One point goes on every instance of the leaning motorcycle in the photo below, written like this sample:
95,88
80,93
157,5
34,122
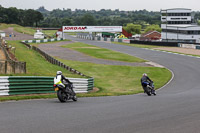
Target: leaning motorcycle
64,92
149,89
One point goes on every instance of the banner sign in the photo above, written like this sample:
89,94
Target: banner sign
92,28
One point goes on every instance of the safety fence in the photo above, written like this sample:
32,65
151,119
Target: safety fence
53,60
42,40
129,41
10,66
90,37
156,43
20,85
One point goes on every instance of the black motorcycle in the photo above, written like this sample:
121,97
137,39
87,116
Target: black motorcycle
149,89
65,93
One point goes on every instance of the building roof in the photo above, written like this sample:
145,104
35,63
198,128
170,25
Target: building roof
183,25
176,9
149,32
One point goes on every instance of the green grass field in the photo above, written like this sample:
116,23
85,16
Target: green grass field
152,47
49,32
18,28
110,80
35,63
120,80
25,30
101,53
138,45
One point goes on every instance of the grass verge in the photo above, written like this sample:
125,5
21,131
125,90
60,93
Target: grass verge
18,28
101,53
177,52
26,30
36,65
111,80
153,47
49,32
138,45
120,80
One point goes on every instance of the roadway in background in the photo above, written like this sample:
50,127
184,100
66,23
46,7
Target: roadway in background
176,108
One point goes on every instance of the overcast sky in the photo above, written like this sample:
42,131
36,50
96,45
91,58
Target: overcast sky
127,5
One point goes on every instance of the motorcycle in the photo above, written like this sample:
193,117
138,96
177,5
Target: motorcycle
65,93
149,89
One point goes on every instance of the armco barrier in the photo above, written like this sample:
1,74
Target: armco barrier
15,85
172,44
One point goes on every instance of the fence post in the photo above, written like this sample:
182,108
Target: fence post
13,66
25,67
6,67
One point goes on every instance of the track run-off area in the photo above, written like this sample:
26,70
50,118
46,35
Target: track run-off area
175,109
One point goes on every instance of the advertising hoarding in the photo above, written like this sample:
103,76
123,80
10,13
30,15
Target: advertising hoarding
92,28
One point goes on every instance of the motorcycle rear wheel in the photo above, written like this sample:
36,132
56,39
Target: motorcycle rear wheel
148,91
62,96
75,98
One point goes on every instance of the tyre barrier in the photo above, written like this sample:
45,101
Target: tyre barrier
20,85
43,40
87,36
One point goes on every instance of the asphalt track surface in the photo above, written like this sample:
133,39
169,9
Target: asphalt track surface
176,108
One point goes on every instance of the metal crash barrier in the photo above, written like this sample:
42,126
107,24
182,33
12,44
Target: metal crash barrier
19,85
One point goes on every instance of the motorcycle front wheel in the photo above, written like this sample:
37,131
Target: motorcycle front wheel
62,96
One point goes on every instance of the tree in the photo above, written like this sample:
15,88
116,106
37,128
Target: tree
120,21
77,21
198,22
88,20
133,28
31,16
153,27
38,17
66,22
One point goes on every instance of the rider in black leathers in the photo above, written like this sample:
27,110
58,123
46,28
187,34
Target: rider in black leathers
145,80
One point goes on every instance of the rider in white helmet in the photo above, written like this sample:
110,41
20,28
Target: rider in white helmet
145,80
60,79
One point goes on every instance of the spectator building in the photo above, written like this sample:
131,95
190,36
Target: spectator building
151,36
178,26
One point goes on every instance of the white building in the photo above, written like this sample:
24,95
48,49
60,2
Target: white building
2,33
39,35
177,26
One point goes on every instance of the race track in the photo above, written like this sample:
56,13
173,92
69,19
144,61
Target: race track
176,108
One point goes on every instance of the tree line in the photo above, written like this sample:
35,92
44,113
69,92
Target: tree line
58,17
21,17
133,21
